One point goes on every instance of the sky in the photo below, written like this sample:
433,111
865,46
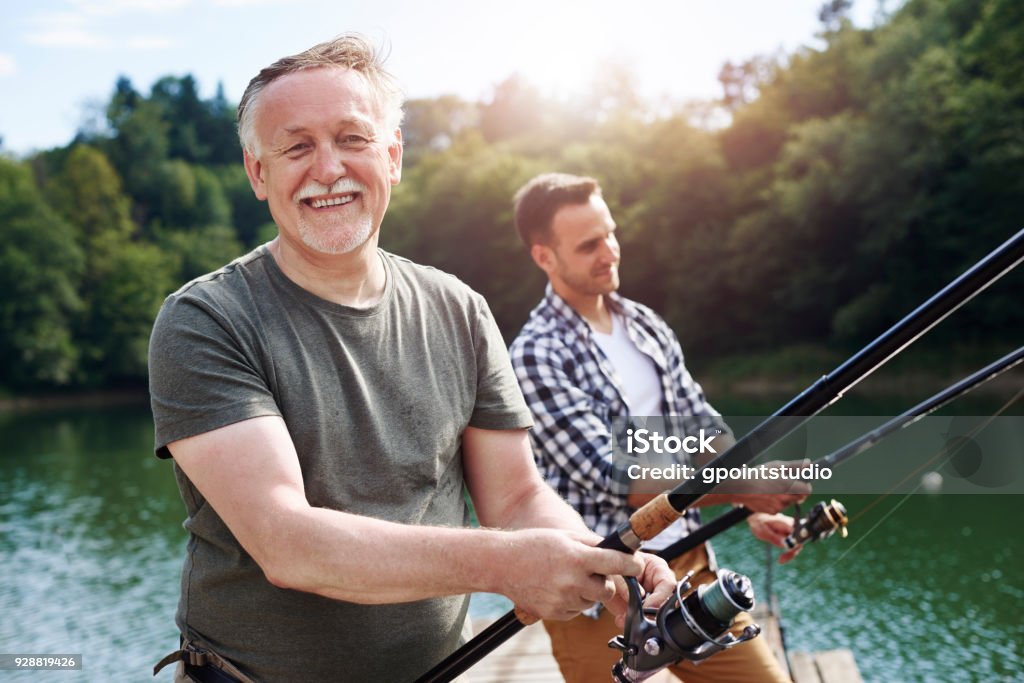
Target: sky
60,59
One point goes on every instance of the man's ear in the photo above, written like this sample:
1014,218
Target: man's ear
544,257
254,169
395,150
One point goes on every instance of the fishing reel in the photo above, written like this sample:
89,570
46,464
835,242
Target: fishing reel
692,624
820,523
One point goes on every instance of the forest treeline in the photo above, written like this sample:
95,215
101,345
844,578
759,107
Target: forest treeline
848,182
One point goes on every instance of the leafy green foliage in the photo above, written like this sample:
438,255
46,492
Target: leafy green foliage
40,268
850,182
123,282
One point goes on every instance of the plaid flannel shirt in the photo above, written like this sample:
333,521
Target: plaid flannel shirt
573,392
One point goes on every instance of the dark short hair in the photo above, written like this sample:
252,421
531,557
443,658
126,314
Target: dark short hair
537,202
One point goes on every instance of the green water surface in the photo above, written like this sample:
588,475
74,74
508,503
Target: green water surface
926,588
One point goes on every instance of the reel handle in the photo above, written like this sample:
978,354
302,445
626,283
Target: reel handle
822,521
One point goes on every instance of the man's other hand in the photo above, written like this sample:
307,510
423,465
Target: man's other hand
774,529
557,574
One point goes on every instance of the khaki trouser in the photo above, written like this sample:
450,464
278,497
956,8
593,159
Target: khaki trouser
580,645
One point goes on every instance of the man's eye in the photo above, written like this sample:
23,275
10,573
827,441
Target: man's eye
297,149
354,140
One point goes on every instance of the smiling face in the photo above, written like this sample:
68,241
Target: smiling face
326,161
582,259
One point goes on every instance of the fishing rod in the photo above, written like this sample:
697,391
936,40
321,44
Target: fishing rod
825,518
655,516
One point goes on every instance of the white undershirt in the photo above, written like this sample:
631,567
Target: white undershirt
639,379
636,372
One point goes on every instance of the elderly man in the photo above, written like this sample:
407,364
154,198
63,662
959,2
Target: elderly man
586,356
325,403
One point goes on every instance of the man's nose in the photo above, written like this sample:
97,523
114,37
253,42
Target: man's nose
610,250
328,164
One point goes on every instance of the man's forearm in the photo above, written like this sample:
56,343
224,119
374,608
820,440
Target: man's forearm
548,572
542,508
371,561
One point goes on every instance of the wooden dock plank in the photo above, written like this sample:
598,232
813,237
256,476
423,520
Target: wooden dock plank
830,666
771,631
526,658
803,669
837,666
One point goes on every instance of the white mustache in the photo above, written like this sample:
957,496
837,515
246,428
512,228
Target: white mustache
339,186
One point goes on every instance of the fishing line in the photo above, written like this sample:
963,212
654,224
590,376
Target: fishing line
976,430
907,496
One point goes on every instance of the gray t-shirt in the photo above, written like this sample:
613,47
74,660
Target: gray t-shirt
375,401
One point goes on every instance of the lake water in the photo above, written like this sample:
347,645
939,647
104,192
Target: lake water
927,588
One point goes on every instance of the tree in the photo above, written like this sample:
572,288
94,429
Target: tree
454,211
137,149
40,267
87,192
124,305
198,251
247,212
434,123
742,83
833,13
123,281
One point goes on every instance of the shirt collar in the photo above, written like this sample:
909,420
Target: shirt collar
568,315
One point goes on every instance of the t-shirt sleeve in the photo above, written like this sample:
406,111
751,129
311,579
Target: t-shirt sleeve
202,373
499,401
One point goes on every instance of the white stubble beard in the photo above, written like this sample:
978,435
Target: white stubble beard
335,240
332,239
